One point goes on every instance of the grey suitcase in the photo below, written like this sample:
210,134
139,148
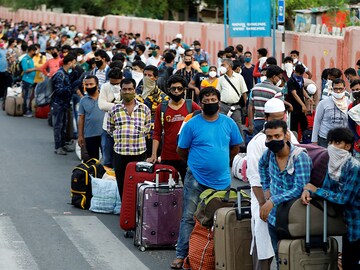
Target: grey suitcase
299,254
158,214
232,236
14,105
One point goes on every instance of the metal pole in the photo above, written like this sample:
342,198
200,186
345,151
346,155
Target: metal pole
274,28
283,45
225,23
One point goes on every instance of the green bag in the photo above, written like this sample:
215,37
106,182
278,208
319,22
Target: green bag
212,200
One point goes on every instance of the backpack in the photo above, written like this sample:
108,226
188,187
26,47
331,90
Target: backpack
16,69
239,167
165,104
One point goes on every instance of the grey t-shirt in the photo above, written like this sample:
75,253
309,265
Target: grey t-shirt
93,117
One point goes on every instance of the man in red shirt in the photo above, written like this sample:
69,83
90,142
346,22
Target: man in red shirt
52,66
169,123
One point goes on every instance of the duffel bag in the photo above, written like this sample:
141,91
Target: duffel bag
290,219
105,196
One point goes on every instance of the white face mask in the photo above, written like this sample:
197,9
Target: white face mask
338,95
172,47
94,39
137,76
295,60
289,68
166,47
79,58
278,83
263,78
115,88
212,74
337,158
222,70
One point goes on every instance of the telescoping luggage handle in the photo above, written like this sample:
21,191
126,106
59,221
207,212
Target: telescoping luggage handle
171,181
308,233
242,212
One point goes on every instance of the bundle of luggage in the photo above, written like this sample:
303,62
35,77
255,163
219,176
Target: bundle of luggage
14,102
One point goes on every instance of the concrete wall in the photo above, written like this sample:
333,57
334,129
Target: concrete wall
316,51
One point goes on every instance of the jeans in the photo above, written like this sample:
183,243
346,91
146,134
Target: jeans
27,89
258,126
107,146
59,118
93,144
236,115
350,254
191,193
274,242
75,101
322,142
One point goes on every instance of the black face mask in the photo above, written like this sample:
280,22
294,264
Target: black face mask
91,91
275,145
176,98
356,95
188,63
94,48
99,63
210,108
197,50
55,55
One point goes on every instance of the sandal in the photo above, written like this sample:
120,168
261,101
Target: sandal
177,263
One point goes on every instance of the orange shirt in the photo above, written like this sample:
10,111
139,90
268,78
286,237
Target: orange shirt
206,83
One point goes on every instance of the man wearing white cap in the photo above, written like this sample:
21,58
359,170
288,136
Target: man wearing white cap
261,248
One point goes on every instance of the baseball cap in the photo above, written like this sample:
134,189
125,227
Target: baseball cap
274,105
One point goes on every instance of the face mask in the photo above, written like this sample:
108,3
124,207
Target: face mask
176,98
79,58
356,95
154,53
275,145
197,50
166,47
205,69
337,158
263,78
338,95
188,63
115,88
137,76
278,83
247,59
210,108
147,43
55,55
295,60
212,74
94,48
222,70
94,39
149,86
128,97
289,69
172,47
91,91
76,41
358,72
70,70
99,63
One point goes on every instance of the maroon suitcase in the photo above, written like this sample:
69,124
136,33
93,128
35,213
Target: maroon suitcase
138,172
158,215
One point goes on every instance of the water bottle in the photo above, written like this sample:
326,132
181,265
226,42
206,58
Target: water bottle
231,111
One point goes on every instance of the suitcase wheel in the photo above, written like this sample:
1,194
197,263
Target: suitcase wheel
128,234
142,249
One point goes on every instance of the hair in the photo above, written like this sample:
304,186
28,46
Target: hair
68,58
129,50
208,91
358,62
80,51
273,71
187,50
118,57
228,61
177,40
271,61
247,52
288,59
213,67
66,47
196,43
236,64
341,135
139,64
337,81
203,62
276,124
239,48
11,41
128,81
141,47
116,64
300,69
295,52
262,51
354,82
229,49
103,55
153,69
115,73
220,53
88,77
350,71
24,47
175,79
335,72
31,48
169,57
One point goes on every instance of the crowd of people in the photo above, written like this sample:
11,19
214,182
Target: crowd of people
129,97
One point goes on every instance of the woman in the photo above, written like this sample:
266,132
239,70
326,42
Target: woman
212,80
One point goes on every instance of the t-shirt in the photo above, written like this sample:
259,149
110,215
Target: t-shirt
247,73
209,144
198,78
28,63
93,116
173,120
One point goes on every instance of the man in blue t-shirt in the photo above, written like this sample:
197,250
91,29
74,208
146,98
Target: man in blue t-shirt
207,143
28,77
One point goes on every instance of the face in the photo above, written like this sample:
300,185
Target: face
197,47
114,81
98,58
150,74
137,69
338,88
189,53
176,88
247,55
187,58
341,145
331,77
276,116
210,99
276,78
90,83
276,134
128,88
294,56
212,69
355,88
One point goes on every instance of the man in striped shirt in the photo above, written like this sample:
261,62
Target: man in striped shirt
128,123
261,93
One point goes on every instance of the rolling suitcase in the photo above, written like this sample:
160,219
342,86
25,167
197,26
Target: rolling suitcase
138,172
309,254
158,215
232,236
14,105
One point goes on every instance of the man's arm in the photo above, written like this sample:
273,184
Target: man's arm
317,122
234,150
309,74
191,85
81,139
183,153
298,100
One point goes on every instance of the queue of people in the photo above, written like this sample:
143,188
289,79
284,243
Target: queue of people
128,97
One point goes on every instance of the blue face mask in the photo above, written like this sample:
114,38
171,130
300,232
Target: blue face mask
247,59
70,70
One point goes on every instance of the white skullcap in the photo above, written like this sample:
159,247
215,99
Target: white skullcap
178,36
181,50
311,89
274,105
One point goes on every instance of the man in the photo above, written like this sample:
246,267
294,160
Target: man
52,66
283,173
187,72
195,81
232,87
354,116
166,69
181,64
199,137
294,54
260,64
109,93
296,97
341,186
60,102
140,50
4,75
137,72
168,124
288,68
351,75
262,251
129,138
332,74
28,77
239,54
90,118
247,70
261,93
200,54
102,69
330,113
155,58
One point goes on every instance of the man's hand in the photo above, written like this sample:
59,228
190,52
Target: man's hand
81,141
311,101
197,91
251,129
303,109
152,159
305,197
265,210
310,187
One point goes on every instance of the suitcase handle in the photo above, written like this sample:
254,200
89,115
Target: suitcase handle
157,177
242,211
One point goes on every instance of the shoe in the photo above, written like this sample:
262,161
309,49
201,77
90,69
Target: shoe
177,263
60,151
28,114
69,148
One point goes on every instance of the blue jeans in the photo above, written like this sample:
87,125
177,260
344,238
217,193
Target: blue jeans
274,242
75,101
59,118
27,89
107,146
258,126
191,193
